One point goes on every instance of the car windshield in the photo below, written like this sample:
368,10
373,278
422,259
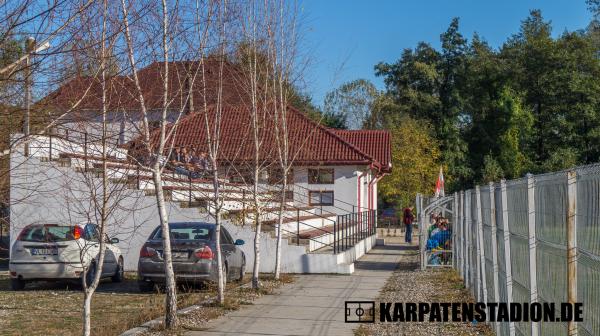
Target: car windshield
47,233
187,231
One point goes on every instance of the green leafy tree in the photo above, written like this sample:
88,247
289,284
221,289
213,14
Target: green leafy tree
491,170
354,100
415,161
428,84
514,156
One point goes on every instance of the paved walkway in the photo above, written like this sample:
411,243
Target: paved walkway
313,304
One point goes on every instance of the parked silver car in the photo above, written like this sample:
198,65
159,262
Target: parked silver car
193,246
60,252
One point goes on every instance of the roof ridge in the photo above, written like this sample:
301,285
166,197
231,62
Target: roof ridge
331,133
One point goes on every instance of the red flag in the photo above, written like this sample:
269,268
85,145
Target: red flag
439,185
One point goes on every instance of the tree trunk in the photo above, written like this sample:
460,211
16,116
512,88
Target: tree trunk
171,289
220,262
255,283
87,313
279,224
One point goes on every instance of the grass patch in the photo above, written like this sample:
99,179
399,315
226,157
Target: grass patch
55,308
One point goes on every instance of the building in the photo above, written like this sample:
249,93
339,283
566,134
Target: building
329,214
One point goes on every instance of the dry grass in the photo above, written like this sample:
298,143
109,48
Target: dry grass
235,299
55,309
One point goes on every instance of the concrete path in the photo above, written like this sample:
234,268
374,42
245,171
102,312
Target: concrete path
313,304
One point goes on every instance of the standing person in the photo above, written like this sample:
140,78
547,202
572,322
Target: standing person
408,218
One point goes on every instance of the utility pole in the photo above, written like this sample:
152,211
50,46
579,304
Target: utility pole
29,49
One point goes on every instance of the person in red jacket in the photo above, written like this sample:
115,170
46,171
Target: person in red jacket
408,218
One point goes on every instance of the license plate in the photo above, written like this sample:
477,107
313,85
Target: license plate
180,255
44,251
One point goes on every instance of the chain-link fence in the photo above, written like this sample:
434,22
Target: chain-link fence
535,239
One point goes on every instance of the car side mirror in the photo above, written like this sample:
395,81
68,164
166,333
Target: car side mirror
114,240
239,242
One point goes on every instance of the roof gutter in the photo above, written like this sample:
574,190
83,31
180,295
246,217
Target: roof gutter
371,184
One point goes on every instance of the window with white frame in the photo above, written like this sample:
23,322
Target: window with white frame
324,197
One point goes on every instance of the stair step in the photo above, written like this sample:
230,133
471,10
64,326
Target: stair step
301,218
273,210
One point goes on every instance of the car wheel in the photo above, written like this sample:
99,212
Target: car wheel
17,284
242,269
118,276
146,286
90,274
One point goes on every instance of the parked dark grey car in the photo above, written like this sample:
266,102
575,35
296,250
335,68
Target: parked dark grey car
193,245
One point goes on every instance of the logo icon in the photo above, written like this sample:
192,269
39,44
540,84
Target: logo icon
360,311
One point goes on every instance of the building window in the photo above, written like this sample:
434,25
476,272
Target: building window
320,176
320,197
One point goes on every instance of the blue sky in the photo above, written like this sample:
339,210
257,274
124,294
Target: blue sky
343,40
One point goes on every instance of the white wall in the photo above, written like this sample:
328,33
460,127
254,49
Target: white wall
345,188
43,192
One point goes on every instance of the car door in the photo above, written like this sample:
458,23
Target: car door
92,236
228,250
110,256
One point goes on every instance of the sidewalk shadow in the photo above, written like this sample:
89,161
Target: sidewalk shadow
372,265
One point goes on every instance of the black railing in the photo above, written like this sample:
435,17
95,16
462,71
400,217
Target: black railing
351,228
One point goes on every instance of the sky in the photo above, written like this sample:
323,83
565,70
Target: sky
343,39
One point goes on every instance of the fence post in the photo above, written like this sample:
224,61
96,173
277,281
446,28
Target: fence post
572,245
337,219
422,237
507,257
454,228
494,249
533,298
468,244
481,250
461,224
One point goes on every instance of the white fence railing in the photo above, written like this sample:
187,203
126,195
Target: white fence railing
535,239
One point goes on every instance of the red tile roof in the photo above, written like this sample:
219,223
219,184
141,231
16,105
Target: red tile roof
122,94
376,143
309,142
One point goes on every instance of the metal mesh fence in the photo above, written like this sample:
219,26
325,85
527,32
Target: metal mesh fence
588,248
513,243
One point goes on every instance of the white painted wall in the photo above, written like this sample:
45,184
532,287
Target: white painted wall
43,192
344,188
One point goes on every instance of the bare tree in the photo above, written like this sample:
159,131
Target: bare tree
158,146
282,50
212,117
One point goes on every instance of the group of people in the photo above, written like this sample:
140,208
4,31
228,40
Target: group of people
193,162
439,235
439,239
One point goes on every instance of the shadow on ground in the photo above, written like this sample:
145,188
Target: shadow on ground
129,286
367,264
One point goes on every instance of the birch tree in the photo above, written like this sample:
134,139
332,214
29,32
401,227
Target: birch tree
212,116
282,40
157,147
90,287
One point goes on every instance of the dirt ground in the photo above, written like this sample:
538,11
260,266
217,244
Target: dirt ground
410,284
